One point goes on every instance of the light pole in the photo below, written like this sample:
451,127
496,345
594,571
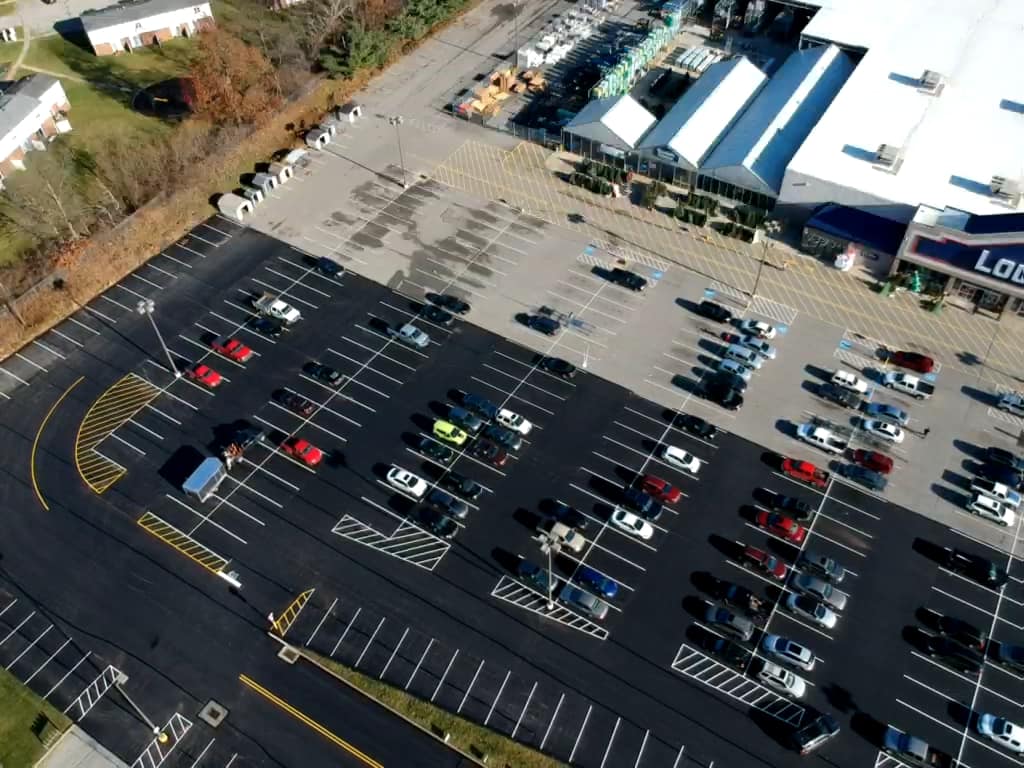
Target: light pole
553,548
760,268
515,29
396,121
586,353
146,307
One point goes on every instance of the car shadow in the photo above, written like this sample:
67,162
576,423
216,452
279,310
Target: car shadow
980,395
773,460
381,326
180,464
604,488
873,374
868,728
818,373
422,421
786,427
929,550
954,478
703,581
710,363
439,409
714,346
811,387
914,636
839,698
695,606
775,729
962,715
954,497
527,518
727,547
629,477
976,452
411,439
505,559
685,383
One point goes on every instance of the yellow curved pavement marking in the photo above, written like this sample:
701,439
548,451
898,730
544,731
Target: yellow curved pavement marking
39,434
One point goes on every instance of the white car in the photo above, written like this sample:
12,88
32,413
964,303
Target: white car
1002,732
681,459
990,509
781,680
847,380
806,607
629,523
735,368
786,651
1012,402
513,421
763,348
883,430
405,481
758,328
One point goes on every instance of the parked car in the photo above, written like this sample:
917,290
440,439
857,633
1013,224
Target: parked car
303,451
436,315
713,311
205,375
410,335
592,606
461,485
813,734
539,578
849,381
515,422
915,361
729,397
783,527
641,503
549,326
323,373
464,420
997,491
488,452
631,524
869,478
908,385
839,395
758,329
449,433
627,279
1012,402
976,567
726,379
506,438
1009,656
805,472
568,515
809,609
786,651
735,368
819,589
778,678
680,459
448,504
479,405
759,560
873,460
999,473
244,435
887,412
231,348
328,267
695,425
660,490
763,348
791,506
1001,457
448,302
1004,733
437,523
295,403
825,567
961,631
727,651
405,481
991,509
960,657
883,430
596,582
267,326
728,622
433,450
558,367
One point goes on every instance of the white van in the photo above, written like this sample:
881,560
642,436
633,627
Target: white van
1012,402
746,357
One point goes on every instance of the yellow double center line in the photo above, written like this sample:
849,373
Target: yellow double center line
308,721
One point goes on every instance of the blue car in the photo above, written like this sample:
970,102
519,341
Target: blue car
886,412
595,582
479,405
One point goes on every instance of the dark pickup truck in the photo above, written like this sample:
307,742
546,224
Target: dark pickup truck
913,751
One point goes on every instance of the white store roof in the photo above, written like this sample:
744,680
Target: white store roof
706,110
618,121
755,151
953,143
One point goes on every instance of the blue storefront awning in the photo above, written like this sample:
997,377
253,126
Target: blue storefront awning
857,226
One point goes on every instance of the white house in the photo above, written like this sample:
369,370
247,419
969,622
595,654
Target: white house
129,25
33,111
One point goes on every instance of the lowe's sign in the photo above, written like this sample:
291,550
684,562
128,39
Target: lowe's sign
1001,268
1001,262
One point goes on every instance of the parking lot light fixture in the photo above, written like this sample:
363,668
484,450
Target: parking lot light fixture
146,307
396,120
553,548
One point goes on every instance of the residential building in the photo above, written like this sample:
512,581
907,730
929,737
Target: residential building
129,25
33,110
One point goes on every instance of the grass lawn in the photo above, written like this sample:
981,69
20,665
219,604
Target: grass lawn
22,722
465,735
8,8
9,51
145,67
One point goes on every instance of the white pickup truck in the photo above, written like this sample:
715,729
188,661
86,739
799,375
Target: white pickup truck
910,385
823,438
270,305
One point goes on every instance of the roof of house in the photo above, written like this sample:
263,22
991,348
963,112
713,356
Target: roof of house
132,10
951,143
754,153
15,107
33,86
618,121
696,122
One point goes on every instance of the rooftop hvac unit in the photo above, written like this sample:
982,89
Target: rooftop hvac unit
889,158
931,82
1008,190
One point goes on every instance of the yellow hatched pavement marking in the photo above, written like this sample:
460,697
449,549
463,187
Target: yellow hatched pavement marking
283,623
120,402
181,541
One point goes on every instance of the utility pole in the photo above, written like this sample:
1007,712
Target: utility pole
760,268
397,121
146,307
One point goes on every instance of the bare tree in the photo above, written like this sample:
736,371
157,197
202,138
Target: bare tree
48,201
324,18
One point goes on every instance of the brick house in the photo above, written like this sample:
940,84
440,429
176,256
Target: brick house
33,111
129,25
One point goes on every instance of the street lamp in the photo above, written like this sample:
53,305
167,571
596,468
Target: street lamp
553,548
769,226
146,307
396,121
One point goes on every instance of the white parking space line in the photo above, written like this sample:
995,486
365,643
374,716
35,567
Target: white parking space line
618,483
29,647
64,336
337,645
419,664
80,324
965,678
307,287
15,630
789,616
611,740
322,407
469,688
145,429
308,422
144,280
957,731
379,352
67,674
444,675
834,500
115,302
579,736
837,543
125,442
254,492
551,722
497,696
15,377
658,441
394,653
346,398
650,457
193,235
579,303
129,290
511,395
46,663
33,363
367,368
369,642
151,407
207,519
388,339
837,521
176,261
285,293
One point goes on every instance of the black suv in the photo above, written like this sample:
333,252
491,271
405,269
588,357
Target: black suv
462,418
722,394
503,436
714,311
1009,656
445,502
323,373
546,325
462,485
961,658
245,435
479,405
641,503
793,507
809,737
437,523
571,516
558,367
975,567
267,326
731,653
695,425
1000,457
627,279
449,302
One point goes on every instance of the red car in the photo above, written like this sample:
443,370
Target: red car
783,526
873,460
912,360
205,375
487,451
232,348
660,490
760,560
303,450
805,472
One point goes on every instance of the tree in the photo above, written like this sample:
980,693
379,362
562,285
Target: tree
49,201
234,82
